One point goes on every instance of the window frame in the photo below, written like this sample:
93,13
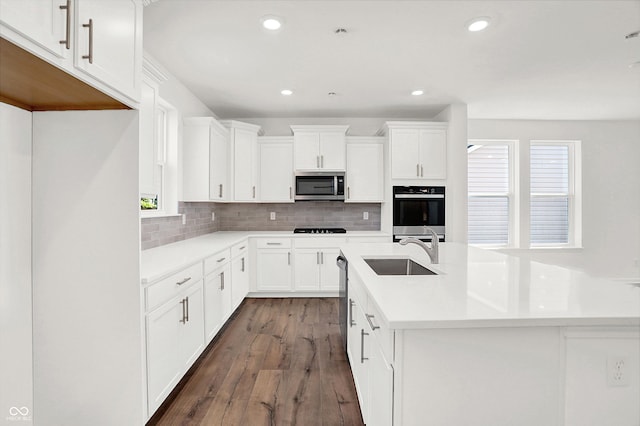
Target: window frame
574,195
512,195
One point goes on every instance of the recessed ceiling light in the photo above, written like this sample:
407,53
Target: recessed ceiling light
271,22
478,24
417,92
286,92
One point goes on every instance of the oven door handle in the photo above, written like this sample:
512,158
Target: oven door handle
436,196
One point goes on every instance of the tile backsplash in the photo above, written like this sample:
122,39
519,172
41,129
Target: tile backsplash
256,217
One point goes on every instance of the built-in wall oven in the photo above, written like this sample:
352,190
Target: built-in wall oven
416,208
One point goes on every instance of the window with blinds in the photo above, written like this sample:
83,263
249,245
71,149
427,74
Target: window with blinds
490,193
550,196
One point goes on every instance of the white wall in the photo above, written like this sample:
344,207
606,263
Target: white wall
610,184
16,372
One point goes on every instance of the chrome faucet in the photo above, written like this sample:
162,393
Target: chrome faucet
431,251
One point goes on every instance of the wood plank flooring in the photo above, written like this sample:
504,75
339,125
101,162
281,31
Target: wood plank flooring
278,362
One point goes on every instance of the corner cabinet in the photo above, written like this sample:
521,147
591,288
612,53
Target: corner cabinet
78,37
365,170
244,161
276,169
204,160
319,147
418,149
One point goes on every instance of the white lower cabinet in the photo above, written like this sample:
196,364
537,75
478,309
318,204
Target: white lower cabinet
274,264
239,273
175,338
315,266
217,293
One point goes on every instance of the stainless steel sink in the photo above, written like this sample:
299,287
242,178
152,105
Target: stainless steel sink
397,266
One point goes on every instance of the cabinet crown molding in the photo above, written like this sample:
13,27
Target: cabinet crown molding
389,125
153,70
233,124
320,128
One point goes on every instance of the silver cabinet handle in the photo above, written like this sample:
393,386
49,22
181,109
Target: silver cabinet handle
371,324
317,258
220,190
418,170
322,258
348,192
242,248
362,358
183,302
242,268
67,40
254,192
351,321
290,193
90,55
221,259
221,280
187,318
289,258
274,244
183,281
322,161
317,161
421,171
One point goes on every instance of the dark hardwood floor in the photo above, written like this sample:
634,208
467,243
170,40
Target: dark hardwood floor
278,362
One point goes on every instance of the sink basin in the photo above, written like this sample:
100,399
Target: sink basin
397,266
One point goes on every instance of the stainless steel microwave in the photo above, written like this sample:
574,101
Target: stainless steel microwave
319,186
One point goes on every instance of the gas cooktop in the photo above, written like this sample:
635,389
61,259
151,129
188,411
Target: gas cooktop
319,231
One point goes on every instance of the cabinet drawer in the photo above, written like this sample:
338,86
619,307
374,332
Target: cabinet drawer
239,248
165,289
384,334
357,292
219,259
273,243
319,242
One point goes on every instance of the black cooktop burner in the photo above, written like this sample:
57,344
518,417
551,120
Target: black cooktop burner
319,231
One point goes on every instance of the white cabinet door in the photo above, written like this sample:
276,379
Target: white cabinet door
380,386
148,129
365,172
109,42
196,159
240,279
307,269
213,310
42,21
245,165
307,151
433,154
163,354
191,339
276,172
273,270
329,271
332,151
405,154
360,364
218,163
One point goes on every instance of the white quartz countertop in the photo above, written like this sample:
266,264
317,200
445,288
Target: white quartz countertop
482,288
159,262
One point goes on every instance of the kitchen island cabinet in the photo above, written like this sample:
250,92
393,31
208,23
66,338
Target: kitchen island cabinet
491,340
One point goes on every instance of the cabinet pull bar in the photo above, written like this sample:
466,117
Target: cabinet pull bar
187,318
421,171
221,259
274,244
418,170
67,40
242,248
254,192
90,55
184,312
351,321
289,258
183,281
221,280
348,192
290,194
242,269
362,358
322,161
322,258
220,190
371,324
317,258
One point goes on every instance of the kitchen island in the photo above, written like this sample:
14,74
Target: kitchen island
490,340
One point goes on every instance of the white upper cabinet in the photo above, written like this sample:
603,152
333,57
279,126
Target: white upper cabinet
44,22
319,147
204,160
276,169
97,41
418,150
148,136
365,170
244,148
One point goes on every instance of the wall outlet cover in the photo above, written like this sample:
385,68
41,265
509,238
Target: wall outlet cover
184,219
213,216
272,216
617,371
365,215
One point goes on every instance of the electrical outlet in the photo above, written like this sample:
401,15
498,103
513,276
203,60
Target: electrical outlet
213,216
617,371
272,216
365,215
184,219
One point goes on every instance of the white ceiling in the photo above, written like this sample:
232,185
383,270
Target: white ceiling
538,59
